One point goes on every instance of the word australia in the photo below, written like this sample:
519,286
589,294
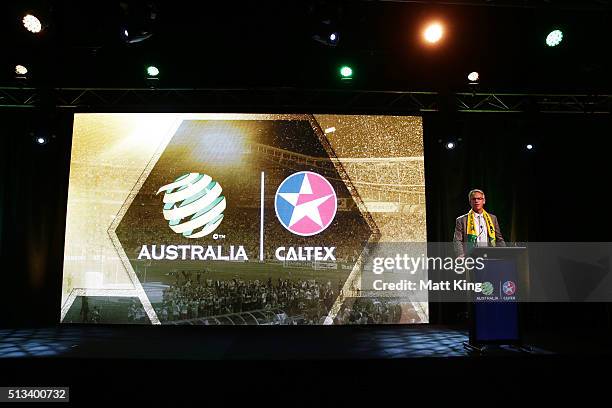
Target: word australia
193,252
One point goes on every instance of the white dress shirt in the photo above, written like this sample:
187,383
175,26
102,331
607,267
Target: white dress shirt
481,230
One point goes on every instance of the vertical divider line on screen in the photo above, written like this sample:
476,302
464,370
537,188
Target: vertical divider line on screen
261,220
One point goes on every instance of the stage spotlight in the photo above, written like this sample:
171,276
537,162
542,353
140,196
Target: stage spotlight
529,147
473,77
327,38
554,38
450,145
138,20
334,38
20,70
32,23
346,72
152,71
433,33
136,38
325,20
41,140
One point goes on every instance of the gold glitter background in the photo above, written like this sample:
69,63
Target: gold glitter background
383,157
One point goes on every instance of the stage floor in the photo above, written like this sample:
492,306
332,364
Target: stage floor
238,343
170,363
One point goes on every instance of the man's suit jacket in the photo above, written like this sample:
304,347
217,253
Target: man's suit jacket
460,239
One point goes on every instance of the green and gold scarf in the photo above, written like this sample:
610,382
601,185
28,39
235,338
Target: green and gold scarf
471,228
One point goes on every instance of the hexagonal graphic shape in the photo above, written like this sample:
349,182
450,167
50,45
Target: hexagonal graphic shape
187,284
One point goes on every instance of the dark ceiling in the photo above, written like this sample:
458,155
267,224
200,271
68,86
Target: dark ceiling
265,43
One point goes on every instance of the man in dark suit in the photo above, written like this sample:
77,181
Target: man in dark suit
477,227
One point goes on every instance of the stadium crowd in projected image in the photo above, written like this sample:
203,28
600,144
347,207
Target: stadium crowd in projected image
377,178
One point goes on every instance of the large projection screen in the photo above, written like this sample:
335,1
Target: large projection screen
226,219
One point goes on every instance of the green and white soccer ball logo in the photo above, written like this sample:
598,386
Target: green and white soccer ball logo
487,288
193,205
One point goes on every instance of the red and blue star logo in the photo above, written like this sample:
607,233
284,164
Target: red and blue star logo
509,288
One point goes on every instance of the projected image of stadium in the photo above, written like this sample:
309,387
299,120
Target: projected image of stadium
238,219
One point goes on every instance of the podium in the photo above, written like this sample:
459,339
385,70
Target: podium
495,313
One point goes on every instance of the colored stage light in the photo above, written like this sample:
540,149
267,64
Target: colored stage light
32,23
433,33
554,38
346,72
152,71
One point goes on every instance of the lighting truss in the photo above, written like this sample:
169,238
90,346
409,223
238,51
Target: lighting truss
302,100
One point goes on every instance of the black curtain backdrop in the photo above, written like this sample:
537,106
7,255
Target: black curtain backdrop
557,192
33,194
551,193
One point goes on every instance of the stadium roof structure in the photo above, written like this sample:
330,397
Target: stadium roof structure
253,317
